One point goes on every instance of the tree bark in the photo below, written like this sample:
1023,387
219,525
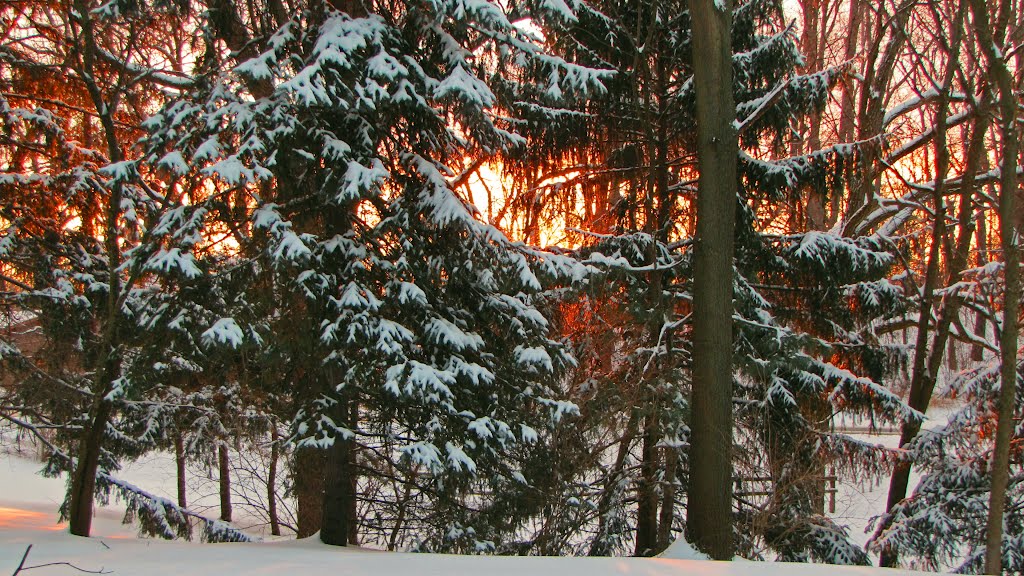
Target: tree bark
668,499
600,547
227,25
709,513
848,108
179,466
812,44
338,494
980,321
879,69
275,449
224,466
83,480
339,512
308,473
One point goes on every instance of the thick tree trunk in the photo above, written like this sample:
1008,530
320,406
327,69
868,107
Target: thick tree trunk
179,466
308,471
338,495
709,513
339,503
227,25
224,467
353,478
83,480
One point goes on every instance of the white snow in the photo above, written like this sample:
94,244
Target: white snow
168,260
175,162
464,86
28,505
682,550
532,358
446,333
224,331
458,459
359,180
561,9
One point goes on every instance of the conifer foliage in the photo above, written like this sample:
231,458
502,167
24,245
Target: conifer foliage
631,151
271,221
941,525
337,145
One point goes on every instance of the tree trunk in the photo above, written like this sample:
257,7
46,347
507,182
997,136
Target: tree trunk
848,108
338,494
709,514
224,466
668,499
812,44
353,477
179,466
922,385
599,547
647,490
339,518
308,471
275,449
952,361
83,480
879,69
980,321
1009,238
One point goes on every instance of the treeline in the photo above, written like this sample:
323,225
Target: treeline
438,260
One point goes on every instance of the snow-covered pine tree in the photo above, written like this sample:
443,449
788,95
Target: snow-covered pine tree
336,144
806,301
941,526
83,246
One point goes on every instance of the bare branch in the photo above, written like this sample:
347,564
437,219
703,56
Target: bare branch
22,568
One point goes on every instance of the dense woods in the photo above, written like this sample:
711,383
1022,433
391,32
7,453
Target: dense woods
454,275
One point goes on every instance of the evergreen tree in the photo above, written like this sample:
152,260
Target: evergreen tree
335,148
85,238
941,526
796,367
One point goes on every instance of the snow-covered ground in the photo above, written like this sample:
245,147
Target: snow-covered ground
28,504
309,557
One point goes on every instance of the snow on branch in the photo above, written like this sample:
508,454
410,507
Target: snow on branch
918,101
162,517
156,515
170,80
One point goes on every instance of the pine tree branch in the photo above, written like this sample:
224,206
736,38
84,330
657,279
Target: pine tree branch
17,283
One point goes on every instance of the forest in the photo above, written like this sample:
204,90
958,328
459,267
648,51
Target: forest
523,277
